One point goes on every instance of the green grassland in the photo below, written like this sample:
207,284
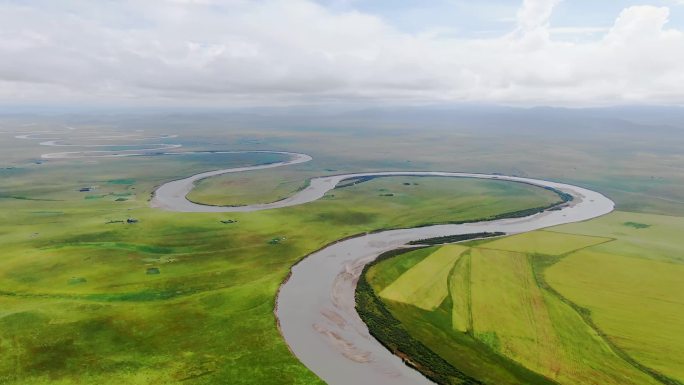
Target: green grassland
260,186
80,301
574,308
434,197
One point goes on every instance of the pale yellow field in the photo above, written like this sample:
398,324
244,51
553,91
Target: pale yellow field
544,242
425,284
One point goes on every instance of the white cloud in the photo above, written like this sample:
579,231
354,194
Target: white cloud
292,51
578,30
534,14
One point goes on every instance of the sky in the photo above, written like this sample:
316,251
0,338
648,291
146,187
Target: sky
234,53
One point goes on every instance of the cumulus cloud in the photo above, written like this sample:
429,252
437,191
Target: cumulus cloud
240,52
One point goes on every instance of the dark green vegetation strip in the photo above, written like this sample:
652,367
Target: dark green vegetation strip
637,225
455,238
355,181
390,333
539,263
564,196
509,215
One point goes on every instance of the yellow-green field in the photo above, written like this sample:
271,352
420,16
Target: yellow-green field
574,308
633,287
425,284
544,242
459,291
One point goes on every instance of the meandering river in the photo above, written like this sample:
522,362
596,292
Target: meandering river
315,306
